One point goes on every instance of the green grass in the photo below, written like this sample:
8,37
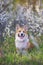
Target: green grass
35,57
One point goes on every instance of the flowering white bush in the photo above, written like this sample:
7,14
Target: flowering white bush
22,15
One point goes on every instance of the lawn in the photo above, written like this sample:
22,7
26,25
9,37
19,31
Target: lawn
9,56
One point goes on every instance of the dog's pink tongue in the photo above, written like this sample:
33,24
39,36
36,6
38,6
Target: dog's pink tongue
21,37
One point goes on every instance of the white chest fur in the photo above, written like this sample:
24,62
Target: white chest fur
21,44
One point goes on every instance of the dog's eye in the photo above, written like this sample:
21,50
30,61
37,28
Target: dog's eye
19,31
23,31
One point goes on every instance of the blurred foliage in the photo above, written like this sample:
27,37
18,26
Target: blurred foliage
19,1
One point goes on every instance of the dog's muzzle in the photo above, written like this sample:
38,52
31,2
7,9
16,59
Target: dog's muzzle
21,35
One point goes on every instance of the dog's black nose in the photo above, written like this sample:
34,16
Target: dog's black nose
21,34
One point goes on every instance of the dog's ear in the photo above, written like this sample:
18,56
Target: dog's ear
17,26
26,27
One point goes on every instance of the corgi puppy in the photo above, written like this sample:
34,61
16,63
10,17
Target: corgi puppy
21,39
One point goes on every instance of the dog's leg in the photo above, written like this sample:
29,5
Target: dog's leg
19,51
24,52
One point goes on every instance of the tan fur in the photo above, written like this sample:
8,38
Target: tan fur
30,45
21,29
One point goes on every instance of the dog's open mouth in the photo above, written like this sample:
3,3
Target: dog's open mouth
21,36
